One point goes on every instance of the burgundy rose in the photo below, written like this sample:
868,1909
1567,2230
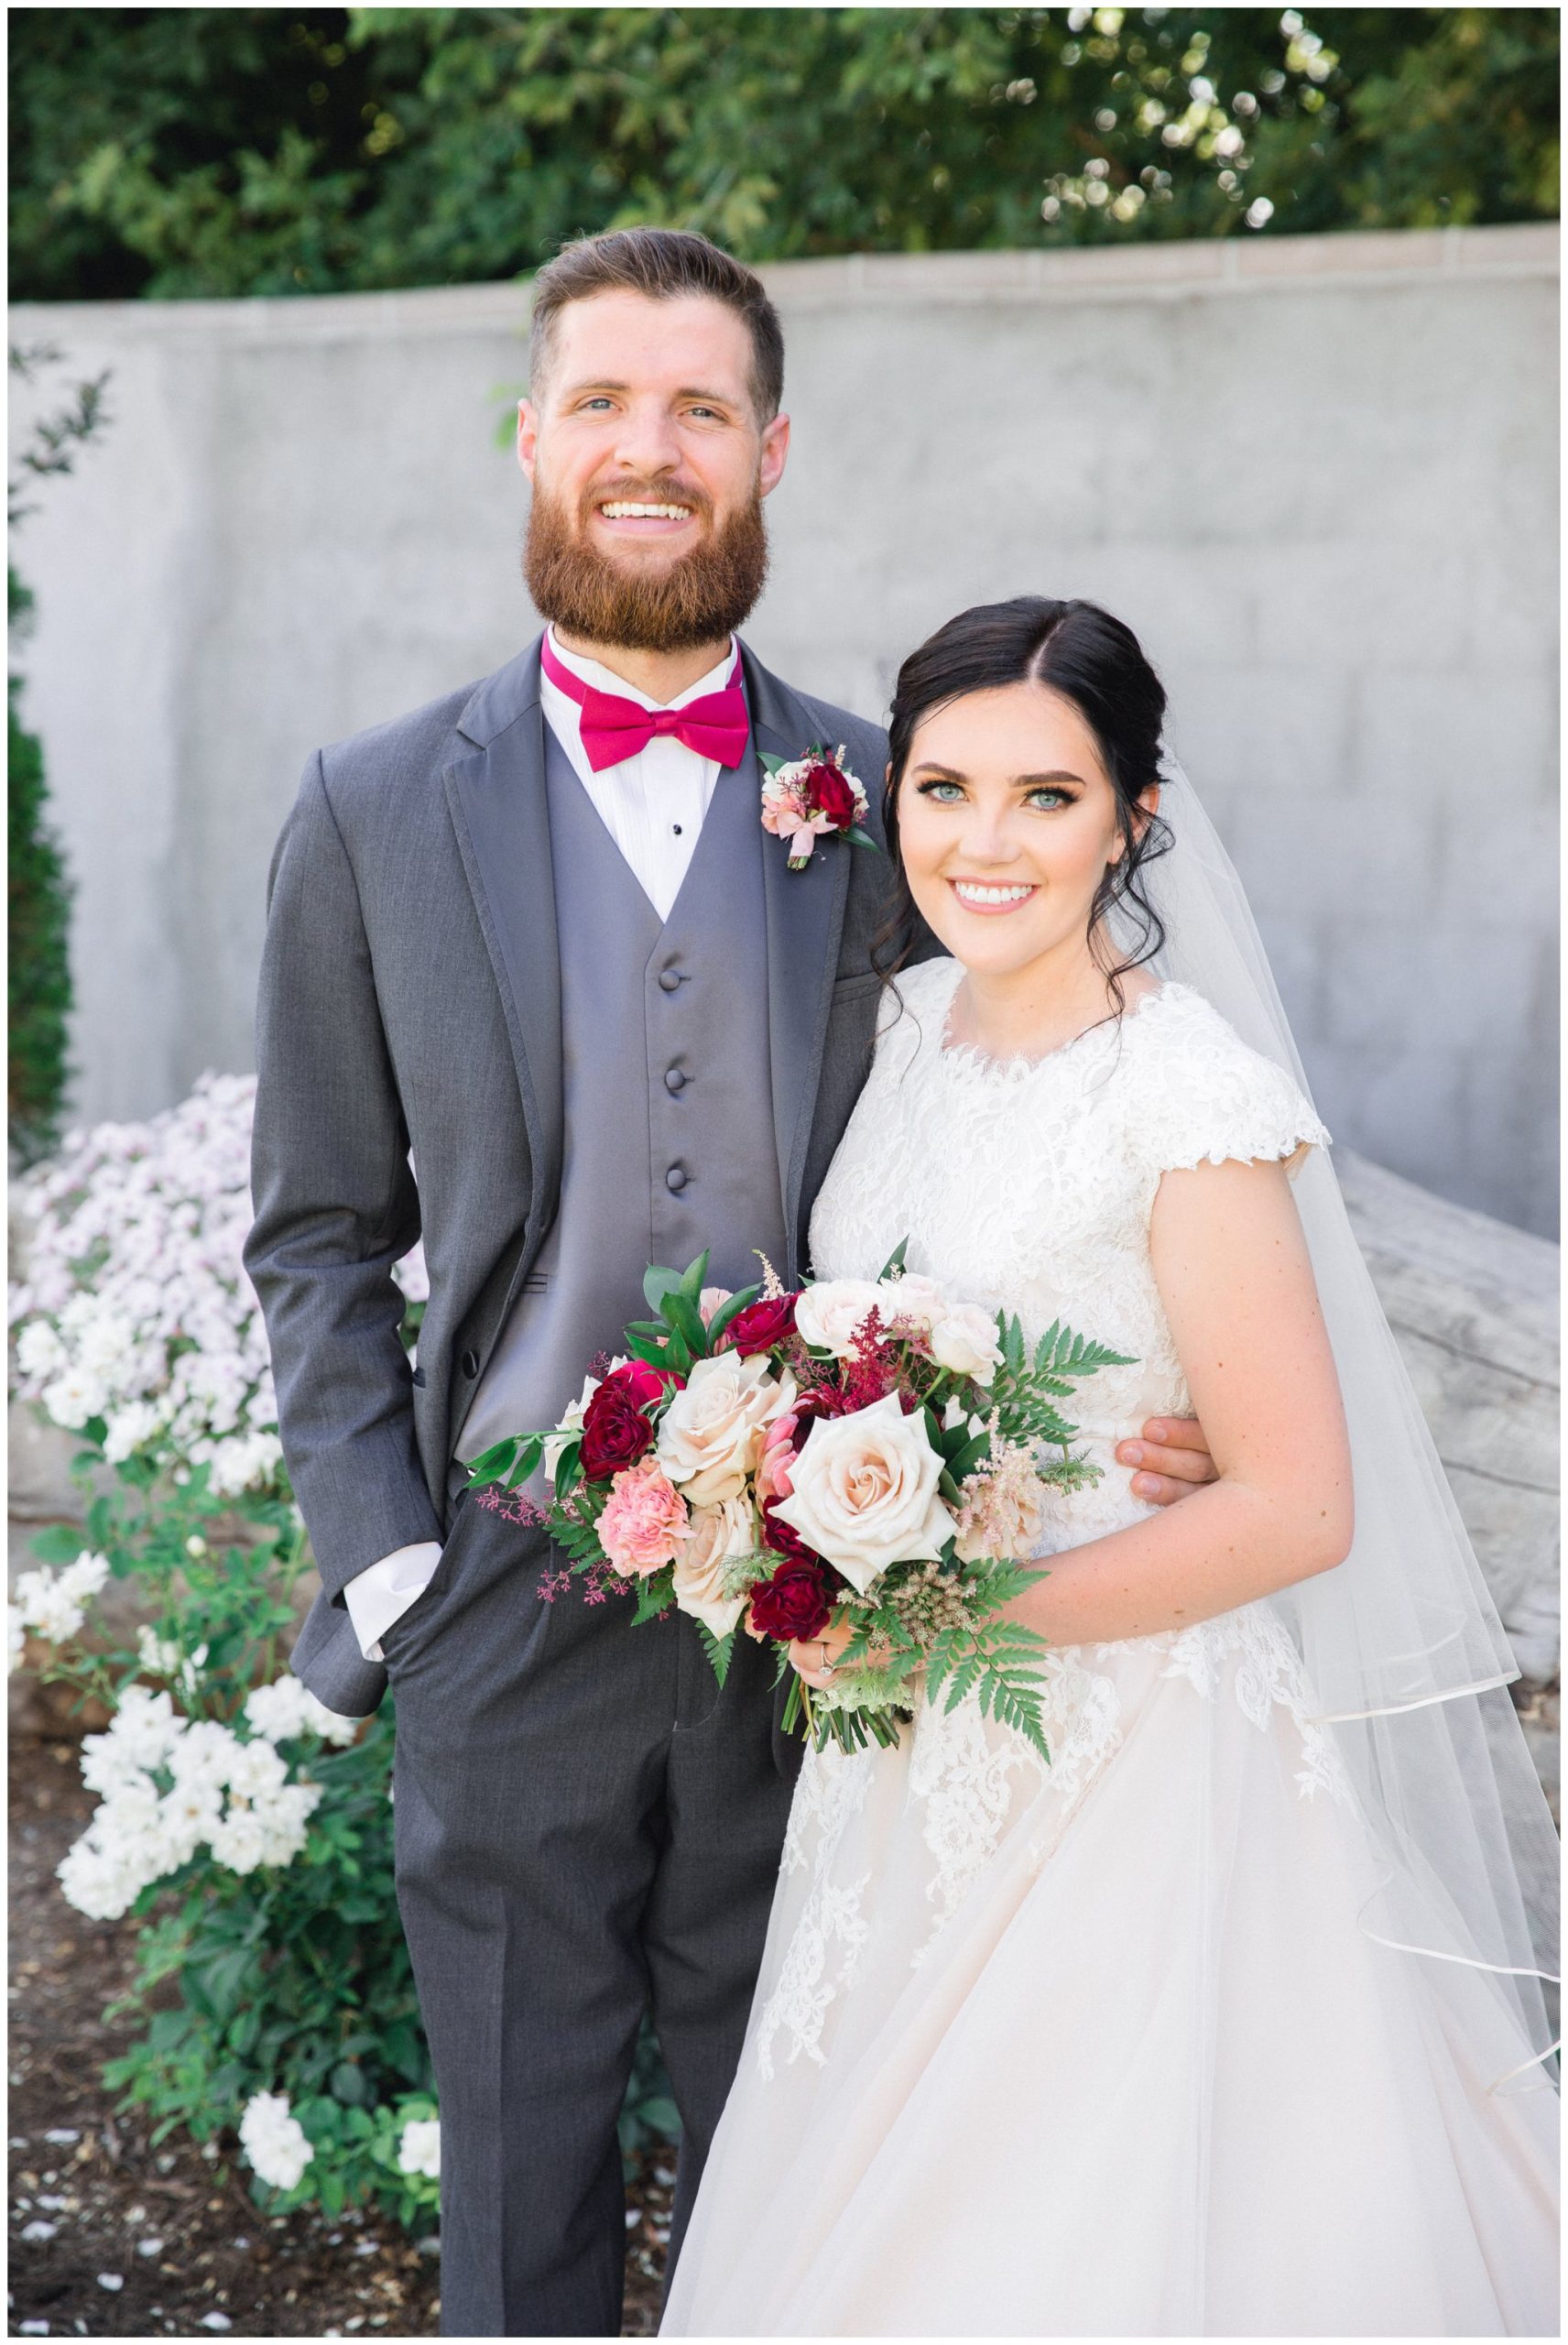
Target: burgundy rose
794,1603
615,1433
643,1383
761,1324
827,792
782,1537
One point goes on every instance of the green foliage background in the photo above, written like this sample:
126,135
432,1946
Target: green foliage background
37,889
39,921
190,152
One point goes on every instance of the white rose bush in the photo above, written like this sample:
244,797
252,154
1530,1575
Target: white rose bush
870,1449
242,1826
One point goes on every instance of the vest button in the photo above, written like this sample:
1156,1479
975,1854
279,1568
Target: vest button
470,1363
674,1080
668,979
675,1179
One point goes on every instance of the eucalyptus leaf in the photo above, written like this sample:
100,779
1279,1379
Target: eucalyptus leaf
656,1284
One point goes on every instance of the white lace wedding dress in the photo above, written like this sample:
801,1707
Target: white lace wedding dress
1100,2049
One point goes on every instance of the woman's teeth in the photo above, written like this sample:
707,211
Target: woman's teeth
970,891
645,512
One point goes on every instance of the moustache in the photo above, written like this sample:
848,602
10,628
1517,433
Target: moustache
635,492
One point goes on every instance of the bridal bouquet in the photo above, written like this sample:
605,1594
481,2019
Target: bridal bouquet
768,1459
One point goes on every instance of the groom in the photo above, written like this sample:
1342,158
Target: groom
533,940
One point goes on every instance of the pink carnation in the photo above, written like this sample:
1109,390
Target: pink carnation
645,1520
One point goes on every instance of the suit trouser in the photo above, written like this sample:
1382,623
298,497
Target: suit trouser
584,1826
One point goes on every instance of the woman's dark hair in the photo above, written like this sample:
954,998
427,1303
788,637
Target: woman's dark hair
1097,663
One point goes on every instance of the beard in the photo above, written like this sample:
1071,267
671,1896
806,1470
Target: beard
698,598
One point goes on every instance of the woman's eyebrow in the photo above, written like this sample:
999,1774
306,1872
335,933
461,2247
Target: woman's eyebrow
1020,780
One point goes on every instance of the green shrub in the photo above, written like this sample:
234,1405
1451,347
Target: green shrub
181,152
38,977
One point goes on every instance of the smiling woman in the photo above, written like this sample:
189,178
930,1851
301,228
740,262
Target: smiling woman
1233,1999
1024,810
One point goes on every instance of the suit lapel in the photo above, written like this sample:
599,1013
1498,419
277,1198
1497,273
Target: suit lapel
496,798
804,922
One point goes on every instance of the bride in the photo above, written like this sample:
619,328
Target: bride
1230,2018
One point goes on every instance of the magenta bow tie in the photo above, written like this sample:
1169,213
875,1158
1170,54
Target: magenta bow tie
613,728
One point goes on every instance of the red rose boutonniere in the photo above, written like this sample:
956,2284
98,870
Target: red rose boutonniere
814,797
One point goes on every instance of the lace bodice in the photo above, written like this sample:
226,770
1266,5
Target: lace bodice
1028,1185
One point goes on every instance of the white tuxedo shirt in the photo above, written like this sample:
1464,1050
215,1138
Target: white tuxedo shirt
652,805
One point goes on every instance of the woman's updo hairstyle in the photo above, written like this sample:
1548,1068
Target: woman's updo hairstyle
1096,663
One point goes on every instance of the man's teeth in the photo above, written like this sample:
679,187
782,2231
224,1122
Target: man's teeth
968,891
645,512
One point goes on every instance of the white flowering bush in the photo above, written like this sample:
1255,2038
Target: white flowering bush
242,1826
135,1324
173,1785
246,1828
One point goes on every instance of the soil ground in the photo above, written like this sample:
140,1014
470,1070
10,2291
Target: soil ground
127,2241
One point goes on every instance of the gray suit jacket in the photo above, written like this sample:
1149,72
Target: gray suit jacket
409,1001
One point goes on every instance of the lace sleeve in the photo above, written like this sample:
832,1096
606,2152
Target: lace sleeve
1205,1095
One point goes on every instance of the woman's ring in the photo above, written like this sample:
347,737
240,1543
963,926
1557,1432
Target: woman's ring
825,1666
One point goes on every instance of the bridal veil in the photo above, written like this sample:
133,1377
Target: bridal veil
1401,1642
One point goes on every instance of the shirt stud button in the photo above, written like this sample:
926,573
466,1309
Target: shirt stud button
674,1080
675,1179
668,979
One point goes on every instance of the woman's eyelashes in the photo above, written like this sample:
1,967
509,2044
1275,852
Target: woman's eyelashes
1044,797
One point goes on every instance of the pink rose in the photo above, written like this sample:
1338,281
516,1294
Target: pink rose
645,1519
777,1457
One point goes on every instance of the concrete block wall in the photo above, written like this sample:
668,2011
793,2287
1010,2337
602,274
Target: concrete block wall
1318,475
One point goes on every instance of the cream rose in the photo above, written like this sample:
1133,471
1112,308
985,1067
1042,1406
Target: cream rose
913,1297
865,1492
710,1433
717,1533
964,1341
829,1313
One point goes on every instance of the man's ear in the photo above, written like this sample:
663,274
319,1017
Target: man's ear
528,435
775,448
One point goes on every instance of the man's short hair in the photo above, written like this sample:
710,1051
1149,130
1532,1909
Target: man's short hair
660,263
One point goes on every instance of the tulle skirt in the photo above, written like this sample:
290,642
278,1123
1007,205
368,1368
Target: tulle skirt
1106,2048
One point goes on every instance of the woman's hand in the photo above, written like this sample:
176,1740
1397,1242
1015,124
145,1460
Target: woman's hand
815,1658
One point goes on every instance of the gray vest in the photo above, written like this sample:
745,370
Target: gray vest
667,1096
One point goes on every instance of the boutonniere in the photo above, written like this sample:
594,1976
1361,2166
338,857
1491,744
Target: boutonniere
816,796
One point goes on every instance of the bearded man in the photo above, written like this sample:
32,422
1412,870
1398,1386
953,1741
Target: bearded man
534,941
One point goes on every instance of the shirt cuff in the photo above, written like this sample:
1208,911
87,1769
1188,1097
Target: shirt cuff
375,1596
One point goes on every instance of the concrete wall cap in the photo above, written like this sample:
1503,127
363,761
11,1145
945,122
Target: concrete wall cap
1135,271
